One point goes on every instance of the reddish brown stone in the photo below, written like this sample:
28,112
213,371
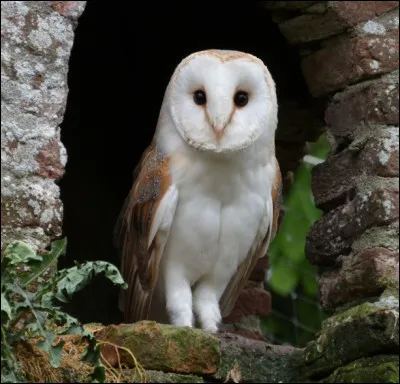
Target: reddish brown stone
252,301
349,60
49,162
337,176
373,102
19,212
366,274
337,16
333,234
63,7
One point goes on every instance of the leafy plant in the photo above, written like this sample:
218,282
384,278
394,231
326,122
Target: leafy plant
292,278
27,315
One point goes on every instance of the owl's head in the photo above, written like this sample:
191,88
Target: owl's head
222,101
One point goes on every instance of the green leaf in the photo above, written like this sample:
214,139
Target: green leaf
283,279
55,354
99,374
5,305
58,248
79,276
18,252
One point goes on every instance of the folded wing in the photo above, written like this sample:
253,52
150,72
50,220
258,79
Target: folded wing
143,229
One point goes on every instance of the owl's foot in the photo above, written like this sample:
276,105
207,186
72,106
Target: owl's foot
178,299
206,307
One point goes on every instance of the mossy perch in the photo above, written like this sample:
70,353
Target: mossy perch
163,347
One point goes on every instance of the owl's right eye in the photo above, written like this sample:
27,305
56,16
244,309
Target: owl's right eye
199,97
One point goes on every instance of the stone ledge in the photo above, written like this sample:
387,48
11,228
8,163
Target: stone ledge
348,338
163,347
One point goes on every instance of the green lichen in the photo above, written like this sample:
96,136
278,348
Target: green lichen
377,369
167,348
369,328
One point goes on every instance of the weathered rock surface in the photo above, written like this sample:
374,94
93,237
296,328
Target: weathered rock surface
377,369
362,275
362,331
350,344
376,203
329,18
258,362
348,60
163,347
36,40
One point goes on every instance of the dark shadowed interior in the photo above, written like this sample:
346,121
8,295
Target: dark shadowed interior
121,62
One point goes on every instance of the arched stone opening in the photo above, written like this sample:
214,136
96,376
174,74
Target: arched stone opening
350,55
120,65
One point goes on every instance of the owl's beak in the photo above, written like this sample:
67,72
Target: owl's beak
219,130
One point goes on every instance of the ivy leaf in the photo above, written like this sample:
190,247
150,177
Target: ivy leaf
5,305
55,354
99,374
18,252
79,276
58,248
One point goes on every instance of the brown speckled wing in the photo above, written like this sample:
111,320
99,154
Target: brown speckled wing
258,250
138,231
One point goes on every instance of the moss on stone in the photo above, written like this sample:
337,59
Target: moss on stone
377,369
166,347
369,328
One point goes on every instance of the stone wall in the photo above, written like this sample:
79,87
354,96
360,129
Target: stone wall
36,41
349,59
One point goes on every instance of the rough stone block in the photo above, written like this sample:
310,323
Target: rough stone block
251,301
379,26
376,369
371,102
258,361
349,60
386,236
338,175
337,17
361,275
163,347
365,330
333,234
36,42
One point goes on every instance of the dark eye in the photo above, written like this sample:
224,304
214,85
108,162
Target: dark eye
199,97
241,98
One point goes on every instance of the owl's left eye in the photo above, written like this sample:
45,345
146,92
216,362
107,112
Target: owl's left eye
199,97
241,98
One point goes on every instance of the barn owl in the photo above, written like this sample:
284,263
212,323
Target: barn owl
205,200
